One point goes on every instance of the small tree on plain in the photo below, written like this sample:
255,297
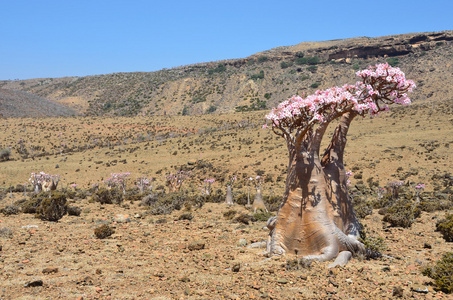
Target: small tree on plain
229,193
316,218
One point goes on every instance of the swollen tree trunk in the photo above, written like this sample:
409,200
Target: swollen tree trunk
258,203
229,196
316,219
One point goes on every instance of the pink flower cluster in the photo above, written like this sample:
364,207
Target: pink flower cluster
175,181
420,186
41,177
396,183
379,86
118,180
38,179
143,183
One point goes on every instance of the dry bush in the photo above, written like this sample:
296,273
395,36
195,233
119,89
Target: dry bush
402,214
53,208
445,227
442,273
108,196
103,231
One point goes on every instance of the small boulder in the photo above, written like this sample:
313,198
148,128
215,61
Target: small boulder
242,243
34,283
197,245
50,270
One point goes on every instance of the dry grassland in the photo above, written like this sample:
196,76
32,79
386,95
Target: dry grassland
204,257
85,151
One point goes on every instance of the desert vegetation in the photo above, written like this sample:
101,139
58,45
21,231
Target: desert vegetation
389,157
177,205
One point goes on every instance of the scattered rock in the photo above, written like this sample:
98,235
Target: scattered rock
121,218
386,269
420,289
236,268
185,216
245,219
34,283
242,243
282,281
330,290
86,281
50,270
74,211
398,291
197,245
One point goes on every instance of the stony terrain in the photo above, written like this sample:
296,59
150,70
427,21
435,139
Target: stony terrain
198,252
162,257
159,257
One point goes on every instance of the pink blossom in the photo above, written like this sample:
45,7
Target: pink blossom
420,186
379,86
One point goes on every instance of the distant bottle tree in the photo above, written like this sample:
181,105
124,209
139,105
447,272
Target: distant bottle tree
316,218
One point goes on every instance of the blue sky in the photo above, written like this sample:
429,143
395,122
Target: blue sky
51,38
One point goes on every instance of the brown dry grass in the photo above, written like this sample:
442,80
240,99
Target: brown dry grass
147,259
234,143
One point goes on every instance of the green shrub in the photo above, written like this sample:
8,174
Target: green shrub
373,246
260,75
211,109
216,197
362,207
393,61
166,203
10,210
315,85
304,77
261,215
229,215
445,227
442,273
5,154
219,69
285,64
103,231
30,206
263,58
198,99
402,214
312,68
111,196
6,233
53,208
74,211
272,202
314,60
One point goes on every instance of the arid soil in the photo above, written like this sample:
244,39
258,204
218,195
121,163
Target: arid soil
159,257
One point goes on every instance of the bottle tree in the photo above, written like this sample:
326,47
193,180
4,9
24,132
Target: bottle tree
316,218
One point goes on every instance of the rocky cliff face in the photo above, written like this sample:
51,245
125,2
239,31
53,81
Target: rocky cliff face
256,82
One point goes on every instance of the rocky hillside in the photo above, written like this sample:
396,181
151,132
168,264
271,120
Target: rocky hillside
15,104
257,82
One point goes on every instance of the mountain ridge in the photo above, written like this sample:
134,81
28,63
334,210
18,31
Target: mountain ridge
257,82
